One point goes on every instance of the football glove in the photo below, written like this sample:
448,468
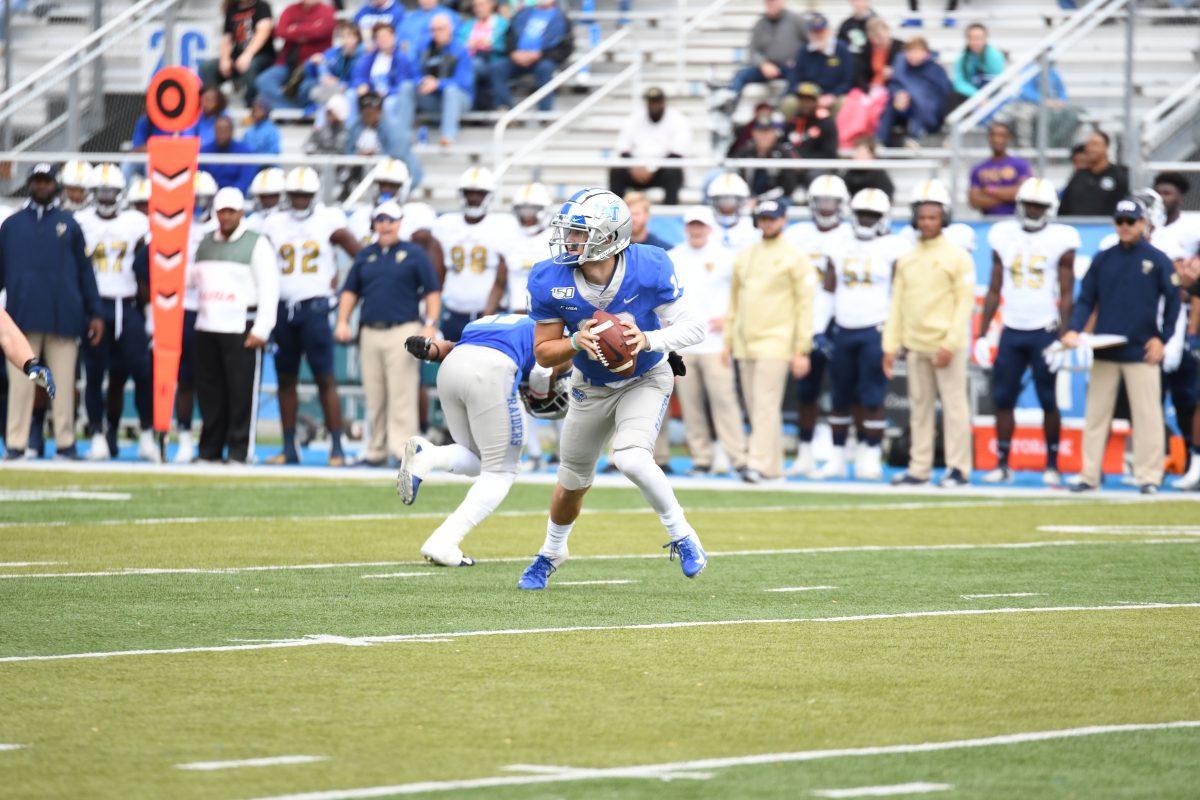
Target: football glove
1077,359
418,346
40,374
983,353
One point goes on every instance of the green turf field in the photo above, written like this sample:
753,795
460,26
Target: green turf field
959,646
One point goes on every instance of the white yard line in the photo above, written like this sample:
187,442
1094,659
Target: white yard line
657,770
33,495
1124,530
593,583
362,641
893,790
7,747
1008,594
400,575
273,761
32,563
866,548
800,588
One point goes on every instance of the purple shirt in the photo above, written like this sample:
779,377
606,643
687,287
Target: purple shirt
1004,172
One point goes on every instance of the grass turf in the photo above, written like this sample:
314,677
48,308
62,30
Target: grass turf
468,707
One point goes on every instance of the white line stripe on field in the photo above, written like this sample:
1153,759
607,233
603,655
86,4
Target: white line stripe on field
593,583
362,641
1124,530
6,747
400,575
885,791
31,563
31,495
655,770
795,551
799,588
273,761
1009,594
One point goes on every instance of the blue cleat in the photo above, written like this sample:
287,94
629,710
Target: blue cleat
692,557
537,574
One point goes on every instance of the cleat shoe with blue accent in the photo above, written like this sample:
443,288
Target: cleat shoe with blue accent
408,481
692,558
537,574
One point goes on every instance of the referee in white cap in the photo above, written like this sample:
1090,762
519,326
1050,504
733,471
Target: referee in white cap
238,286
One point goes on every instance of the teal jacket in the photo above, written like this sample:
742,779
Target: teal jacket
972,71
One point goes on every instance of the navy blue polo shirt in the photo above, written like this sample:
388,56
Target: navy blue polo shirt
1126,284
391,281
44,266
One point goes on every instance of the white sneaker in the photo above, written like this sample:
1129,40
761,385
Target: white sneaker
868,463
1190,481
99,450
804,463
186,453
445,554
148,448
835,467
1051,477
998,475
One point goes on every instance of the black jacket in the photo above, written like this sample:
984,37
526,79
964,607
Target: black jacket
1089,194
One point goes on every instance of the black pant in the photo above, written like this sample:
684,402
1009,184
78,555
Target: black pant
669,179
227,375
210,74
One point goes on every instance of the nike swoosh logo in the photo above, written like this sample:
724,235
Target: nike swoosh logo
631,299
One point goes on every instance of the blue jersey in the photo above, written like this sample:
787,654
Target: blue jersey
511,334
643,281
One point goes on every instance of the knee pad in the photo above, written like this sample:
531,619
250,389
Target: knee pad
574,477
632,461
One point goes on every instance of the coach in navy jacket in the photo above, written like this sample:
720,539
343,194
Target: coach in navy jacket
53,299
1125,285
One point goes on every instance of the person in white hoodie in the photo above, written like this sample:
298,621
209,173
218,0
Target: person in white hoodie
237,283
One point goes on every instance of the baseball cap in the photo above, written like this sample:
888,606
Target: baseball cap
817,22
808,90
388,208
654,93
702,214
43,169
771,208
1129,208
229,198
339,106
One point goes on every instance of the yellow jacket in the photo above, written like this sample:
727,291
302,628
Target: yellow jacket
770,301
933,294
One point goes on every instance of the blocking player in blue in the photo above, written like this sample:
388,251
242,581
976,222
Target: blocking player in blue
596,268
483,377
1033,271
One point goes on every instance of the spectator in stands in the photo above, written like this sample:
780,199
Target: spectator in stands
853,30
483,34
212,108
810,128
824,61
919,89
385,72
389,11
652,132
368,136
1094,190
445,79
236,175
874,63
1021,114
639,218
383,69
538,41
332,72
977,64
52,297
774,41
994,183
262,135
246,47
915,7
331,137
414,29
306,29
860,178
767,141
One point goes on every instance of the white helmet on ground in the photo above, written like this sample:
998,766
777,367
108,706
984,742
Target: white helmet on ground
1036,192
869,210
268,182
532,201
931,191
1156,210
206,190
728,194
391,171
302,182
139,190
601,216
827,200
477,179
106,183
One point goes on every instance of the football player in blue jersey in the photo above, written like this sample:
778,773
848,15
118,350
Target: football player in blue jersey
596,268
480,385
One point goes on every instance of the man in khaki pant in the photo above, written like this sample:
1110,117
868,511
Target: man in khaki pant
769,330
705,270
1124,286
391,278
933,293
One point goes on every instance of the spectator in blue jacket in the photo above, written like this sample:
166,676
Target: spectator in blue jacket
262,136
977,64
391,11
445,79
414,30
825,61
52,297
212,107
539,40
483,34
331,72
235,175
918,91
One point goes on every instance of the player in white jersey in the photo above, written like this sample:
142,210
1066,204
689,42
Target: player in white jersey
529,244
1033,273
728,195
858,277
473,273
111,237
267,192
934,191
303,238
816,238
75,177
393,181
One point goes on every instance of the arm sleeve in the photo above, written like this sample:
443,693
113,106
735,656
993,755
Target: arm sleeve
682,327
539,379
266,281
1171,301
513,34
429,280
844,80
964,304
1086,301
892,329
540,307
804,286
464,73
759,35
353,282
960,82
317,26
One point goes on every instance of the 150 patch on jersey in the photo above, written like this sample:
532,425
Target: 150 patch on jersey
562,292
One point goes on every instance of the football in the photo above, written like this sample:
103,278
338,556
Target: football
615,354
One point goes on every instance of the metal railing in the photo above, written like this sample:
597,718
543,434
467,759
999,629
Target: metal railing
1170,115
